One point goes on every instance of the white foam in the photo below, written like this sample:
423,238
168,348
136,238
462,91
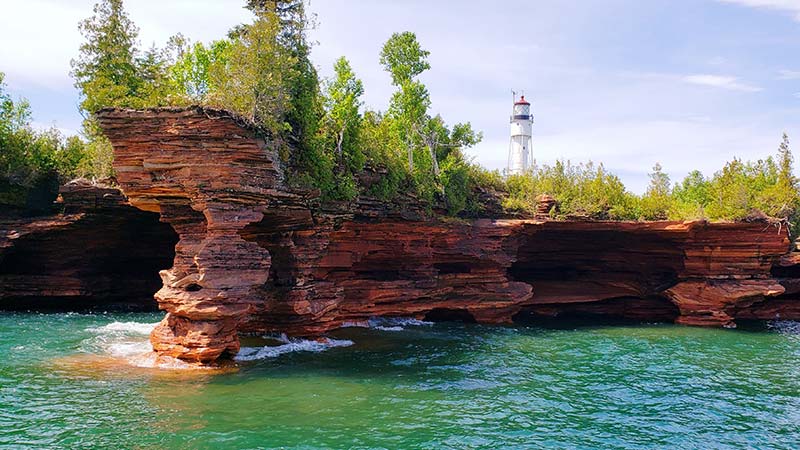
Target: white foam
125,327
151,360
290,345
395,323
128,341
129,349
396,328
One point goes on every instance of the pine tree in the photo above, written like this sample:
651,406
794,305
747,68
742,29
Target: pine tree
305,110
106,72
656,202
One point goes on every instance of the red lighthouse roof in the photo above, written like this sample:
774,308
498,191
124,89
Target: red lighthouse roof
522,101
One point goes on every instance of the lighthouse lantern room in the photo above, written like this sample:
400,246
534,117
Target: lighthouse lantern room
520,148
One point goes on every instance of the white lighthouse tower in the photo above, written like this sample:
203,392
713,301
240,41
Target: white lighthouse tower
520,149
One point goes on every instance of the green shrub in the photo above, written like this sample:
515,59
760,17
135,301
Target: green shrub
32,163
580,190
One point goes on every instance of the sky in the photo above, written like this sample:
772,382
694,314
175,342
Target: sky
690,84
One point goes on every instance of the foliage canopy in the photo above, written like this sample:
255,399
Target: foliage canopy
326,138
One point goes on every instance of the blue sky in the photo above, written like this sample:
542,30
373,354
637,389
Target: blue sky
687,83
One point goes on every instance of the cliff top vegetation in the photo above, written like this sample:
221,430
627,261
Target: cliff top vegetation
326,138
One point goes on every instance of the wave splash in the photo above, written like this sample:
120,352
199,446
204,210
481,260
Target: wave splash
387,323
130,341
395,323
289,346
125,328
120,339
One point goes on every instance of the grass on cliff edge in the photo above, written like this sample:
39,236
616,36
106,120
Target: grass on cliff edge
739,191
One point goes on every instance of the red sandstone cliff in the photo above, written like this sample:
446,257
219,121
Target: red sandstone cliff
256,256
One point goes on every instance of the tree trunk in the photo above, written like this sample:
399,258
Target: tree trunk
339,141
432,150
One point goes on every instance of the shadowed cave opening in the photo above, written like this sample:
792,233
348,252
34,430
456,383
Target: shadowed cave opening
275,232
596,275
449,315
612,311
108,262
792,271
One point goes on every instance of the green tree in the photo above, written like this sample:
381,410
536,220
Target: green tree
385,156
587,190
193,66
690,197
14,115
783,196
786,179
305,109
110,71
656,202
255,81
343,102
730,196
32,163
106,71
404,59
14,118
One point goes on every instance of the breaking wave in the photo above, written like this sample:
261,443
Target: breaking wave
387,323
289,346
396,323
120,339
125,328
130,341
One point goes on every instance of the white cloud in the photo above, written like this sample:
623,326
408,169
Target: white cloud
38,38
791,6
797,95
720,81
626,114
789,74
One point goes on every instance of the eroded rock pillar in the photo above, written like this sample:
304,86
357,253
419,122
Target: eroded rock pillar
208,290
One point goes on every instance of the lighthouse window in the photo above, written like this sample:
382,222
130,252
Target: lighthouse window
522,110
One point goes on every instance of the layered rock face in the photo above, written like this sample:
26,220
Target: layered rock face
257,256
695,273
100,254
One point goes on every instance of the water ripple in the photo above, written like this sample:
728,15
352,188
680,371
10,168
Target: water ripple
434,386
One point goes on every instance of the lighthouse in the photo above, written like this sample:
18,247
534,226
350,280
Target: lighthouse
520,148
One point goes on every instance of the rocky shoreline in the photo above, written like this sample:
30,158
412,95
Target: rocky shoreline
204,193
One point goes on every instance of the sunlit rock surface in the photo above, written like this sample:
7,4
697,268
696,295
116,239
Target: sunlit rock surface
257,256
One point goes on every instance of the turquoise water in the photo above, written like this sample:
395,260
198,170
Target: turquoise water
426,386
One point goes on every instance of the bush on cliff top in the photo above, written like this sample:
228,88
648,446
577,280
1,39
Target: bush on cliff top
737,192
587,190
262,71
32,163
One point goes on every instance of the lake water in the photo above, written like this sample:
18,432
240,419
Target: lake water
404,385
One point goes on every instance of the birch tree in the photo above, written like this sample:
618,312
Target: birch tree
404,59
